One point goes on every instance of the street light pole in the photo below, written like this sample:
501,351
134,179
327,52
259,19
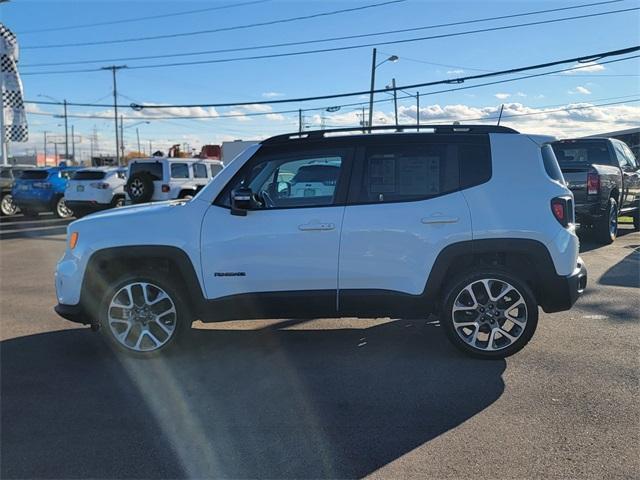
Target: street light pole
138,135
45,146
121,139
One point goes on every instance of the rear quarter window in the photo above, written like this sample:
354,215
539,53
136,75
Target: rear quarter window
551,164
154,169
179,170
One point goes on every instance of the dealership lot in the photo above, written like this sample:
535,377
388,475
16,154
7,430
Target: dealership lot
318,398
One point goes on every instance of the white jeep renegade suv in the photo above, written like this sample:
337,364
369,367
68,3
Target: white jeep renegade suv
472,223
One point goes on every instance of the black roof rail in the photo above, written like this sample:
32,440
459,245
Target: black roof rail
437,129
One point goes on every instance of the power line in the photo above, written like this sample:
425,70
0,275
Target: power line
344,48
307,42
106,116
581,59
139,19
217,30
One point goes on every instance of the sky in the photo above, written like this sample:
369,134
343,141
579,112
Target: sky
535,105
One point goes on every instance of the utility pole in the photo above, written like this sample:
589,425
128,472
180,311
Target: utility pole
418,109
73,144
55,152
121,139
395,100
45,146
138,135
373,83
500,116
364,122
66,132
114,69
300,120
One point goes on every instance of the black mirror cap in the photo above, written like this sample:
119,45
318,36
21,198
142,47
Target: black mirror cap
241,201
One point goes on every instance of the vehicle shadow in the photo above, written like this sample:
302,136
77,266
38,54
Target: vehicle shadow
266,403
588,241
625,273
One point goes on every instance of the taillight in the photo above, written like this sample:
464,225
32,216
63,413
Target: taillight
593,183
166,188
562,209
99,185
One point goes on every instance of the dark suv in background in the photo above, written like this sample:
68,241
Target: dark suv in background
604,176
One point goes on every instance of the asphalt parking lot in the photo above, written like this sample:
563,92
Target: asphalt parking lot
318,398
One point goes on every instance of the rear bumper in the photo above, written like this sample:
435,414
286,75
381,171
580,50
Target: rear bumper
560,293
39,205
86,206
588,213
73,313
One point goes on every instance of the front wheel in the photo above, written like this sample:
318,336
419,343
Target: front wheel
61,210
142,315
489,313
7,207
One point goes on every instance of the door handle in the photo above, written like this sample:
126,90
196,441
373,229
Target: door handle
307,227
438,219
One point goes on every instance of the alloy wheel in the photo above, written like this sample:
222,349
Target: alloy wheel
142,317
62,209
7,205
136,189
489,314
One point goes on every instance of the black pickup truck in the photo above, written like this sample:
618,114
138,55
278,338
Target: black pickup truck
604,176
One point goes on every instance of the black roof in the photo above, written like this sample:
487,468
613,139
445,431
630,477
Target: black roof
392,129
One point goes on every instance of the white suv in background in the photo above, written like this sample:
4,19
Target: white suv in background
166,178
93,189
472,223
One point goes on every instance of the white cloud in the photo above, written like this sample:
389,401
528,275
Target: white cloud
502,96
585,67
456,71
581,90
256,108
276,117
272,94
521,94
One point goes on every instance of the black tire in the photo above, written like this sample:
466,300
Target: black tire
118,202
60,208
606,228
140,187
7,207
181,321
503,346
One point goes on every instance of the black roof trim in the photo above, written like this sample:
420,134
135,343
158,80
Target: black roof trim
431,129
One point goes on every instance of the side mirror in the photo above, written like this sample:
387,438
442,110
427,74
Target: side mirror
241,201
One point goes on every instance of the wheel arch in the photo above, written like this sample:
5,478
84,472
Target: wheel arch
529,259
106,265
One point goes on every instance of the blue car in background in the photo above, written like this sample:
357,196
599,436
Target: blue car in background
42,190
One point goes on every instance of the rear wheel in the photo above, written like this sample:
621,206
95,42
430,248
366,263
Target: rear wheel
489,313
61,210
606,228
143,315
7,207
117,202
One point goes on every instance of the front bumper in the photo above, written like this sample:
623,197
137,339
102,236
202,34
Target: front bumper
561,293
73,313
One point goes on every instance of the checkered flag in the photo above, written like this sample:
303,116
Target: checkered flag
15,118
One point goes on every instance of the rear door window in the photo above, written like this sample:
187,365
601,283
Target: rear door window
179,170
34,175
199,170
398,173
